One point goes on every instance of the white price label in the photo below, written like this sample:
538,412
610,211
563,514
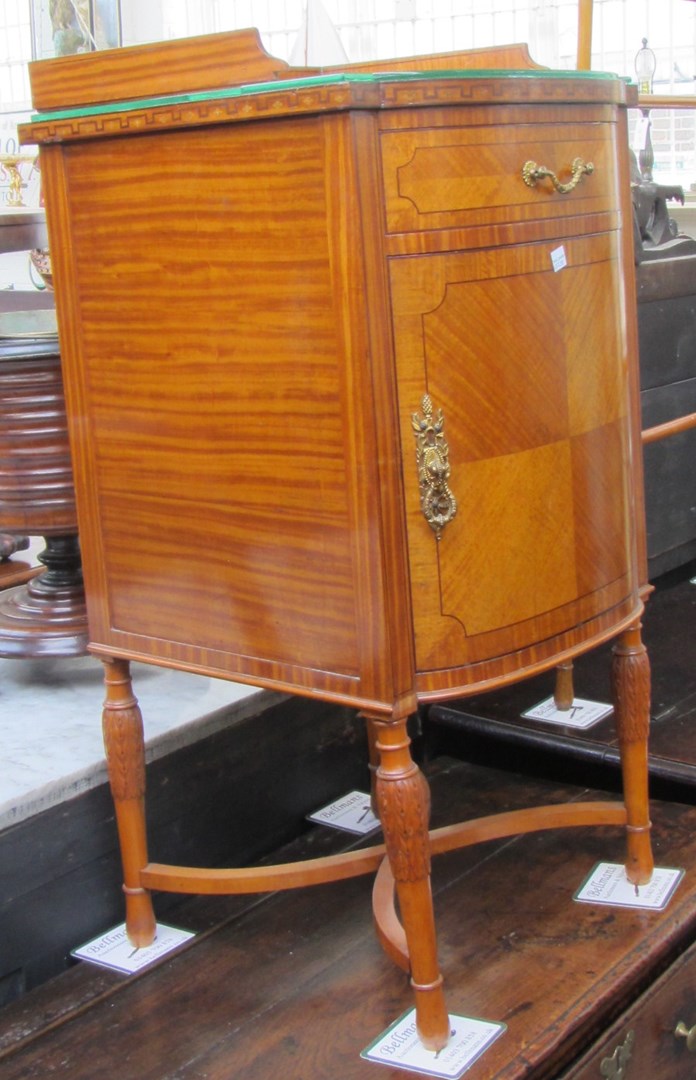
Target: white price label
352,813
581,714
400,1047
558,259
608,884
114,950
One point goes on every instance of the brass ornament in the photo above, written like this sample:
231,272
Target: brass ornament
532,173
681,1031
438,503
616,1066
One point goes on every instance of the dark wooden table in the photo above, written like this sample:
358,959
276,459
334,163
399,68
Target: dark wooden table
20,230
268,989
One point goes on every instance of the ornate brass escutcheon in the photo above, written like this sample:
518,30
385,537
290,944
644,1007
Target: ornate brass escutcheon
616,1066
438,503
532,173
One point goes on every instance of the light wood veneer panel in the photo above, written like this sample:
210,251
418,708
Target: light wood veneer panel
535,422
454,176
225,432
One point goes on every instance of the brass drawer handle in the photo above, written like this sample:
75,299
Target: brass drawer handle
532,173
432,456
616,1066
683,1032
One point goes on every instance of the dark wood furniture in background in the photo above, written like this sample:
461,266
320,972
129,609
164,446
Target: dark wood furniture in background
666,291
371,335
46,616
20,230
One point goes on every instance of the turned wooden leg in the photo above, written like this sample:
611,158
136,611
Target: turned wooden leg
403,799
564,692
125,756
631,693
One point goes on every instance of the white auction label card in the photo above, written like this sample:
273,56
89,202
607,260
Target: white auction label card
114,950
581,714
558,259
400,1047
608,884
352,813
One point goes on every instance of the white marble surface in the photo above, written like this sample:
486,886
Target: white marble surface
50,724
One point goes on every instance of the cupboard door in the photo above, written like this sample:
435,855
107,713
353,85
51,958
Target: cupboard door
523,350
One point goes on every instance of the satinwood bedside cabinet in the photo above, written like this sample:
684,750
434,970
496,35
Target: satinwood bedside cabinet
368,338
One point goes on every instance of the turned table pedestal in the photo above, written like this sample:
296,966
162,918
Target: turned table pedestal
47,615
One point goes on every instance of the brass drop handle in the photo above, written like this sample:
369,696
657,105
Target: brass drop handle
683,1032
532,173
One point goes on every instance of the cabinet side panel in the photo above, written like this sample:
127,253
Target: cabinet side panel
209,364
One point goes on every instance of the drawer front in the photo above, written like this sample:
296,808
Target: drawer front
644,1042
454,177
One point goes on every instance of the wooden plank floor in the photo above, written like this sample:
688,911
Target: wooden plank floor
294,986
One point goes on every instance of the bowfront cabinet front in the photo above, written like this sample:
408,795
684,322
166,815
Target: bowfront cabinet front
507,303
350,372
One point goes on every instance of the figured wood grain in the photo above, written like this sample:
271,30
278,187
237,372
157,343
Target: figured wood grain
504,57
657,1049
193,64
453,175
535,404
151,70
235,418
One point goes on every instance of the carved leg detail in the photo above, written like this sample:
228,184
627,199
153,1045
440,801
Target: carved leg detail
125,755
631,693
404,808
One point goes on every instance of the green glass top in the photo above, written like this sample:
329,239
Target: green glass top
333,79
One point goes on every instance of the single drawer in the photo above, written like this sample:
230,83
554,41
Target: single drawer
454,177
656,1037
